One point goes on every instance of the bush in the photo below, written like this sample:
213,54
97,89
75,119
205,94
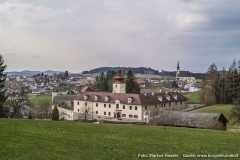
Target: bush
55,114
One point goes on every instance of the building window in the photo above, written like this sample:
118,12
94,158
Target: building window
170,104
155,106
176,103
104,105
164,104
135,107
78,103
109,113
130,116
130,107
161,105
109,105
117,106
123,115
181,102
116,86
104,113
135,116
123,107
96,104
85,103
78,110
96,112
145,107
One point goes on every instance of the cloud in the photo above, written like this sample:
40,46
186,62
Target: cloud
35,56
151,33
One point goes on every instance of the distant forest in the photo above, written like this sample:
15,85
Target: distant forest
142,70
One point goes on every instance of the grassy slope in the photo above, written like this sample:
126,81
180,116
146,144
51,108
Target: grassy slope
28,139
220,108
193,96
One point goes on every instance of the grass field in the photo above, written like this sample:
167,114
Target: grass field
37,99
193,96
156,85
29,139
220,108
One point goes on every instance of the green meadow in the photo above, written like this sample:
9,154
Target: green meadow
36,99
33,139
192,96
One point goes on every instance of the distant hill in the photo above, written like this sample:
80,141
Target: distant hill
31,73
142,70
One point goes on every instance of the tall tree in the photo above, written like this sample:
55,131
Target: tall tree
209,86
66,75
3,98
110,79
130,83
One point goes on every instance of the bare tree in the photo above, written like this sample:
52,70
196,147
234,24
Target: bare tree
17,103
154,113
235,113
44,109
86,112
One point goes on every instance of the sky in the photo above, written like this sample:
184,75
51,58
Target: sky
80,35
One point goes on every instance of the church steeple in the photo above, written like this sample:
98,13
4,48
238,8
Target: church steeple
178,68
119,85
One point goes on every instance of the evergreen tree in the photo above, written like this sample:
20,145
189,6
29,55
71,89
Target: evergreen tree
137,88
3,98
103,82
110,79
55,114
130,82
30,115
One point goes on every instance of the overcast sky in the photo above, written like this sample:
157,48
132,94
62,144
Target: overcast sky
79,35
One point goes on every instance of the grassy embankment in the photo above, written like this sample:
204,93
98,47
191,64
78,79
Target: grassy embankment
29,139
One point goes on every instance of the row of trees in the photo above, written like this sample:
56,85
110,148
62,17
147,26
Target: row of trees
105,81
221,87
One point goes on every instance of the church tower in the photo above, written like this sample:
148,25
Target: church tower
178,70
119,85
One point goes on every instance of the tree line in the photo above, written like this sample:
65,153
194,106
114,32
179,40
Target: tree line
141,70
221,87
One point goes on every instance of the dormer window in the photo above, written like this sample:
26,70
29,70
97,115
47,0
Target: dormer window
106,98
175,97
160,99
96,98
130,100
85,97
167,97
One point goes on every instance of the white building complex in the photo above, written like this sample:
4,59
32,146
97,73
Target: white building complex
120,105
